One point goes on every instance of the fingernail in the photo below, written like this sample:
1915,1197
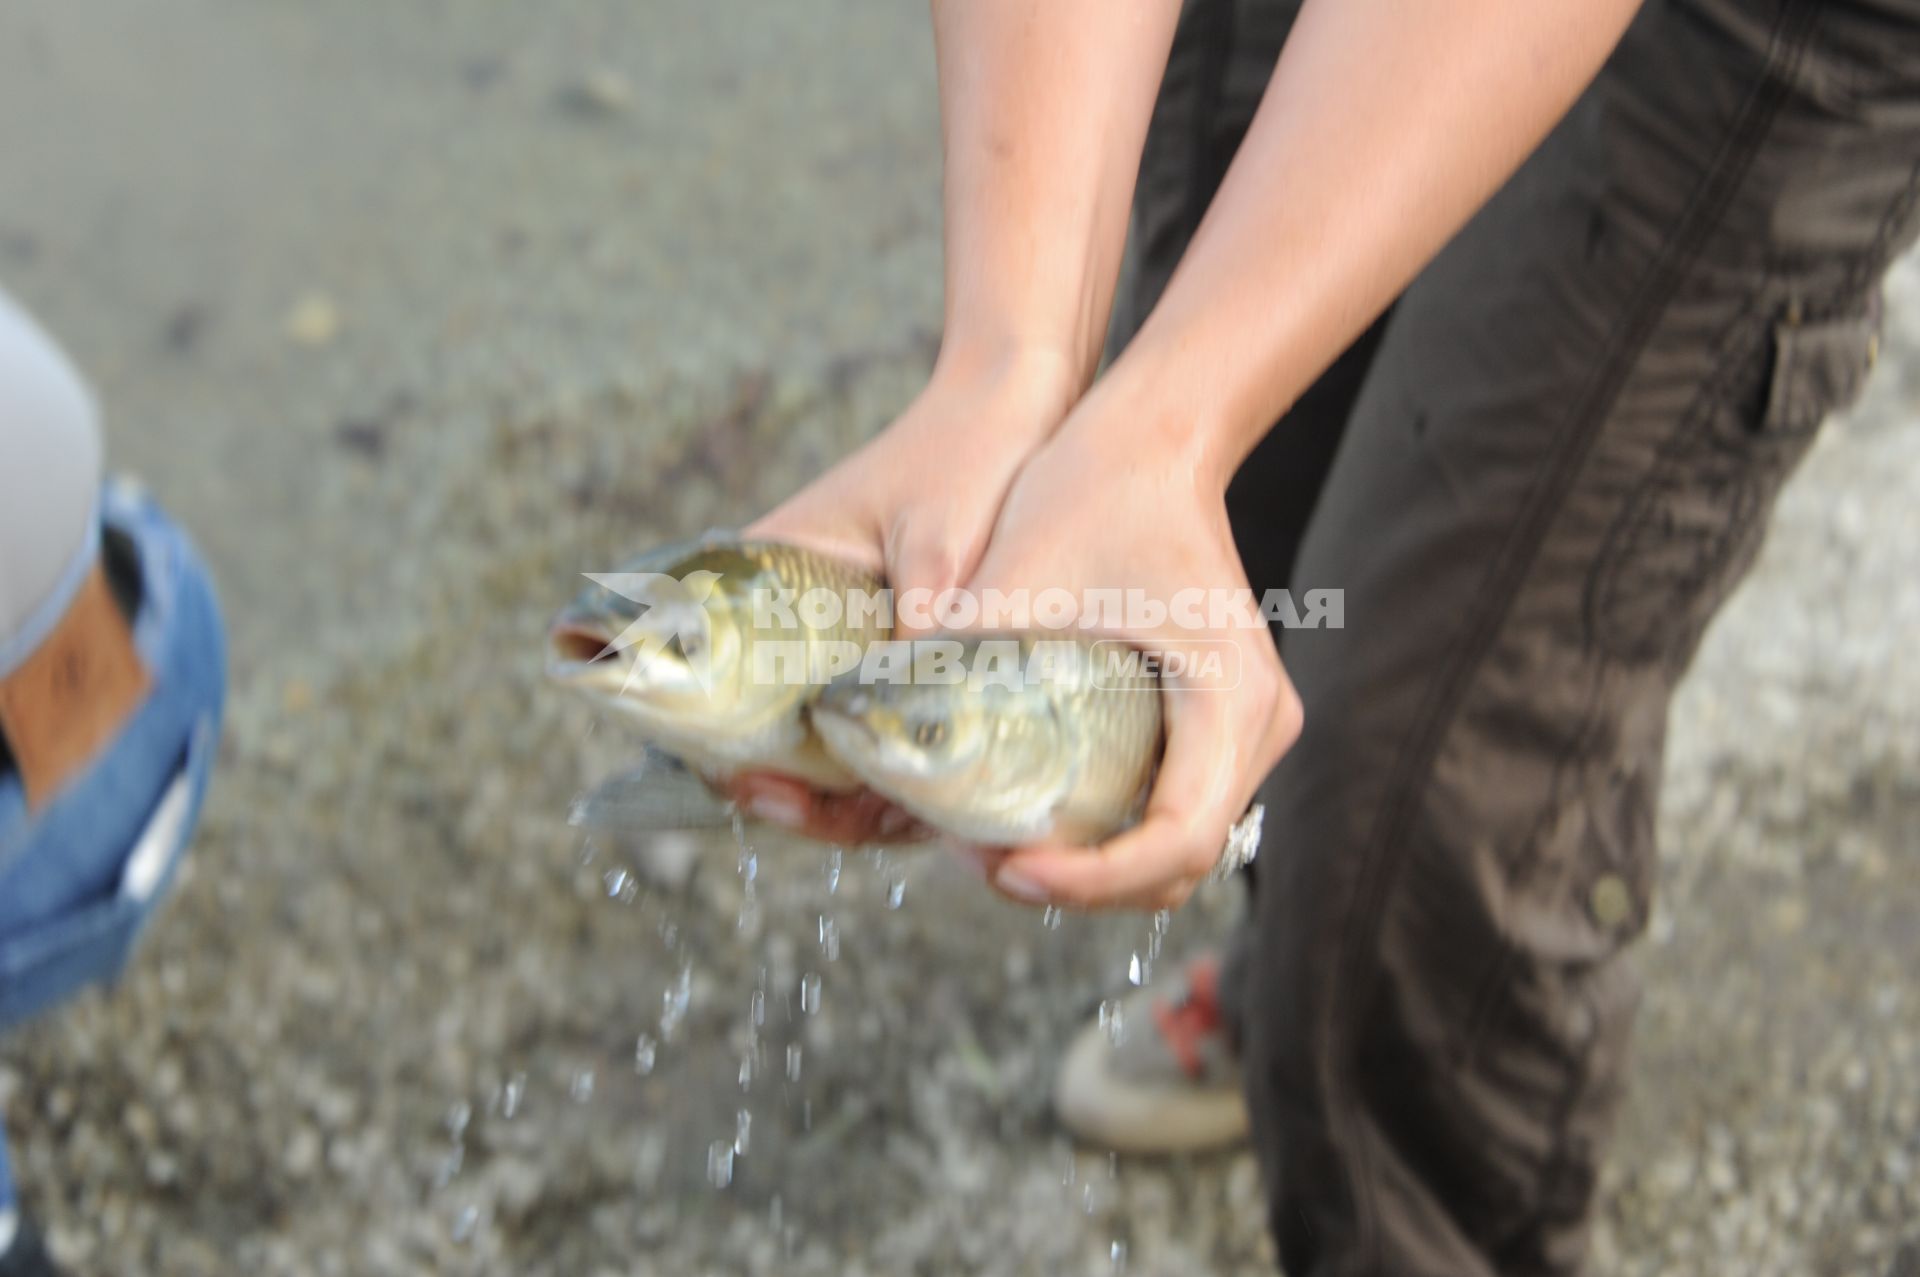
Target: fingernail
1018,885
776,809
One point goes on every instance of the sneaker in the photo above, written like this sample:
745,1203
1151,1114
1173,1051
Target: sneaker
1166,1082
22,1254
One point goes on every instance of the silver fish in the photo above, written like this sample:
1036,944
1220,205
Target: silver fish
1064,749
682,643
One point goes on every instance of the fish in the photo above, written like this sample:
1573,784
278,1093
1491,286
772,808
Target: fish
703,649
1044,739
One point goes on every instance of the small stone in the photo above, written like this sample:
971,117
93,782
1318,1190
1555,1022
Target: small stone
313,321
140,1124
303,1153
599,92
1789,915
297,696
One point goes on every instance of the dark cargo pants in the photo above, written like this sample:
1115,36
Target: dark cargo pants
1536,481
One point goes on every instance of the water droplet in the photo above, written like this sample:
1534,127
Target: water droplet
645,1052
1161,921
835,859
457,1119
1136,971
1071,1173
1117,1256
746,1070
896,893
809,993
720,1163
742,1132
465,1224
449,1167
510,1099
757,1007
793,1061
616,880
1112,1020
830,938
674,1003
587,852
582,1088
750,866
1050,919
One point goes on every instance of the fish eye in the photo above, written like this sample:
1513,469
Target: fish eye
930,732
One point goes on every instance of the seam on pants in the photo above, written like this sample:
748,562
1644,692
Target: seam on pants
1351,976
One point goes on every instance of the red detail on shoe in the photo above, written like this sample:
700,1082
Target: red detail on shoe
1194,1019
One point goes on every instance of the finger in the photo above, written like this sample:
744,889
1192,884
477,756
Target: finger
796,528
983,861
1195,799
858,817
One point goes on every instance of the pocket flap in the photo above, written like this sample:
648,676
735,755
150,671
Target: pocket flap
1818,368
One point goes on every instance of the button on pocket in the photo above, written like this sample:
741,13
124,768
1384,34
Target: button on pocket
1818,368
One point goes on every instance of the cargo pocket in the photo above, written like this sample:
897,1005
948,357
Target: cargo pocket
91,944
1688,534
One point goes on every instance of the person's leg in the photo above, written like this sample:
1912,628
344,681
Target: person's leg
1561,463
112,677
1170,1082
49,529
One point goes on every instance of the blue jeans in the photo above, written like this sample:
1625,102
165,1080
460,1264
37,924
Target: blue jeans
80,877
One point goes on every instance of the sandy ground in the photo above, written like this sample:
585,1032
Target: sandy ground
413,311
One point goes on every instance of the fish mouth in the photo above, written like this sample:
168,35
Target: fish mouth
574,648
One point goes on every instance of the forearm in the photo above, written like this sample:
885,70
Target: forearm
1045,105
1386,125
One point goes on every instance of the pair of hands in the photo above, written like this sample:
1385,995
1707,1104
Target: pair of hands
996,478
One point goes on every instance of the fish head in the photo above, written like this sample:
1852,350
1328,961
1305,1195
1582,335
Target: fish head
660,646
987,760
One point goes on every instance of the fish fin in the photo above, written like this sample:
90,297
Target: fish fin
659,794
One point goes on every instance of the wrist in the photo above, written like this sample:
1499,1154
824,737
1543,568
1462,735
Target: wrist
1006,388
1142,414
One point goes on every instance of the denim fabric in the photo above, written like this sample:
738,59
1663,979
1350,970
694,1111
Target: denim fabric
74,895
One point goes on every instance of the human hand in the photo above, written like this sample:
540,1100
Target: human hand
1058,529
915,504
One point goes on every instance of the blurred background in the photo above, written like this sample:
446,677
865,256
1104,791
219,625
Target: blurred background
414,312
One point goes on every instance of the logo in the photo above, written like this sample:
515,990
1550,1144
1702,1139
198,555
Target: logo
672,618
1201,665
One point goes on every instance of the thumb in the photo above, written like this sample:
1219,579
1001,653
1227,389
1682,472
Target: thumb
926,562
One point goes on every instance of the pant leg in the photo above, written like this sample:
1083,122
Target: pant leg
1560,464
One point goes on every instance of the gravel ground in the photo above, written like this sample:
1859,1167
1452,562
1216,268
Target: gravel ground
415,311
